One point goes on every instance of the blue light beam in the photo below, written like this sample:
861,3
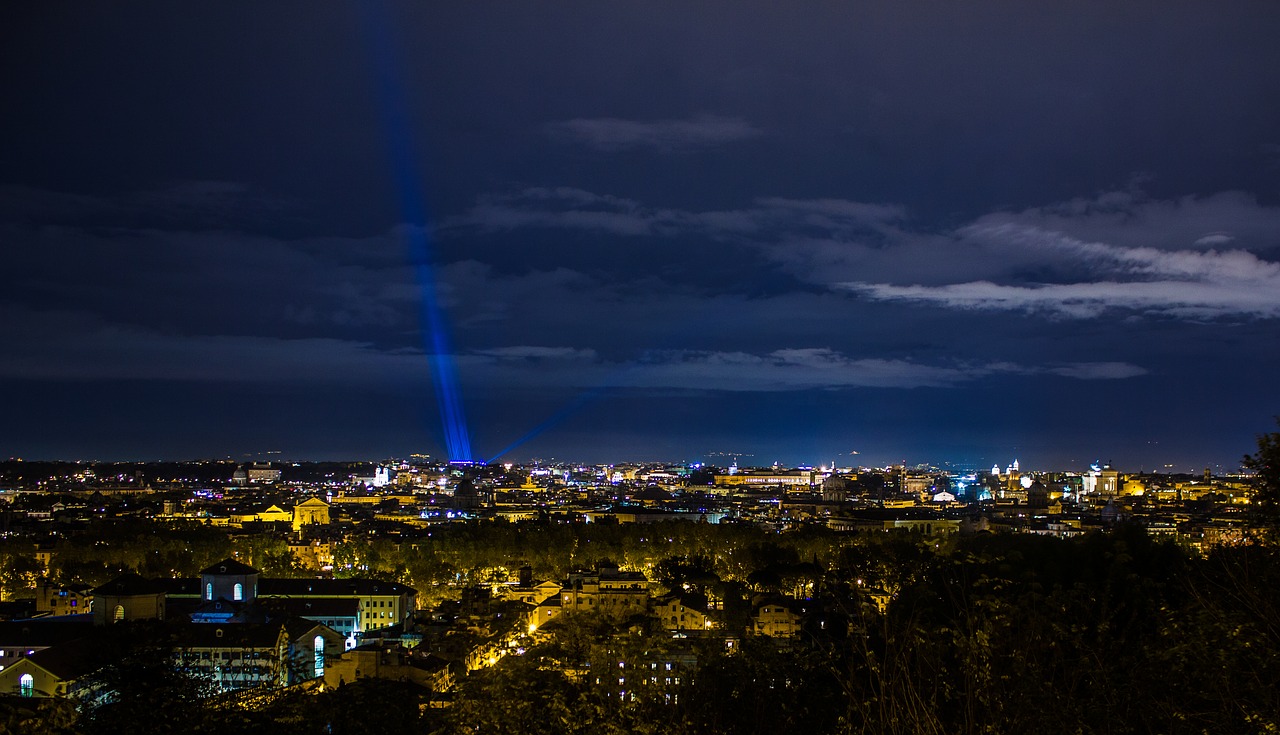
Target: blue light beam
417,233
565,412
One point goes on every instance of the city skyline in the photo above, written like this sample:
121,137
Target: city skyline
918,233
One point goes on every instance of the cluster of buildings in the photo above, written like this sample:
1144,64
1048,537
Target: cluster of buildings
237,629
244,632
316,506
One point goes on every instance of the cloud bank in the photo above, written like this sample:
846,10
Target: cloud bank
575,209
614,134
1178,283
1184,258
70,346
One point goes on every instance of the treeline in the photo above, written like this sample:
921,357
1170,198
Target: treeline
485,552
1110,633
458,554
109,548
455,555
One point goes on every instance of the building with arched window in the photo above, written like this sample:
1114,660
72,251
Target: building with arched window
311,647
240,631
61,671
128,597
229,580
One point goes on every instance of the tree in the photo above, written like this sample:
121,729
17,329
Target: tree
1266,463
141,684
698,571
19,572
51,716
519,697
364,706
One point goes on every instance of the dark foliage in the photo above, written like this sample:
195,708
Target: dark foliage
1266,462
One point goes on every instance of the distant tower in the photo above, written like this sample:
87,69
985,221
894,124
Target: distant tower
1037,494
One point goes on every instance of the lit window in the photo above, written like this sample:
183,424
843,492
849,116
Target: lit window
237,592
26,685
208,591
318,644
119,613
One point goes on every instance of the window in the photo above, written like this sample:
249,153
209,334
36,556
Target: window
208,591
237,592
318,644
118,614
26,685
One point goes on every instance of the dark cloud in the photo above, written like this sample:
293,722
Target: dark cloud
64,346
575,209
612,134
825,238
181,205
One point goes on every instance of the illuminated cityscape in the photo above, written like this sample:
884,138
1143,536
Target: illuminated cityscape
634,586
633,367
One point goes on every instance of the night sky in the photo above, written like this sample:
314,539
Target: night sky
920,231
